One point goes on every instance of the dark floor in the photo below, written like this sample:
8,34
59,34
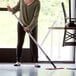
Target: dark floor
30,70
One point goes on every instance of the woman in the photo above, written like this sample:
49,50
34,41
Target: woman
29,13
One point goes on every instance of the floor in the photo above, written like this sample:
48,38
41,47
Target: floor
28,69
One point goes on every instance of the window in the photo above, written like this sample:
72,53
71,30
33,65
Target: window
8,26
5,3
51,14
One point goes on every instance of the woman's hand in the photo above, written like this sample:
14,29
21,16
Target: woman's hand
9,8
26,29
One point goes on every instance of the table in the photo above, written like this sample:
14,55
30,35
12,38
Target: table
67,35
69,28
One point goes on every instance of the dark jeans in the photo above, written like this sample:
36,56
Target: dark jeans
33,47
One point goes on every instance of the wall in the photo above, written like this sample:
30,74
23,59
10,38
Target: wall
8,55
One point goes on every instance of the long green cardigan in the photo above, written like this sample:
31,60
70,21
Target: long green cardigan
28,13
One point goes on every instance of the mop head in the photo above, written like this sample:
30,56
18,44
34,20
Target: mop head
54,68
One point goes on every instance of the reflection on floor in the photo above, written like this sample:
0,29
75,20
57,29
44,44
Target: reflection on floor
31,70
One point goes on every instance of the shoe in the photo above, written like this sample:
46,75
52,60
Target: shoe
37,65
17,64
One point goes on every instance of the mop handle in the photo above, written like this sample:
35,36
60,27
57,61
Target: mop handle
42,50
36,42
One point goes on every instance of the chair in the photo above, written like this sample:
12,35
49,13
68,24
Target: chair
69,34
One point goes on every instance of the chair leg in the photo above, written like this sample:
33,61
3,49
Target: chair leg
64,37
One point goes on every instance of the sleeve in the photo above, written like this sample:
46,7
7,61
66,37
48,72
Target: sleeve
35,18
16,8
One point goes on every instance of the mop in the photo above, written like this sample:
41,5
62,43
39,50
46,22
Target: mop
36,42
54,66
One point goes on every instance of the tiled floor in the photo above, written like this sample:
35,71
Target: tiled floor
31,70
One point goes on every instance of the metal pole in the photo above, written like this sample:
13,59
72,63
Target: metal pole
70,11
